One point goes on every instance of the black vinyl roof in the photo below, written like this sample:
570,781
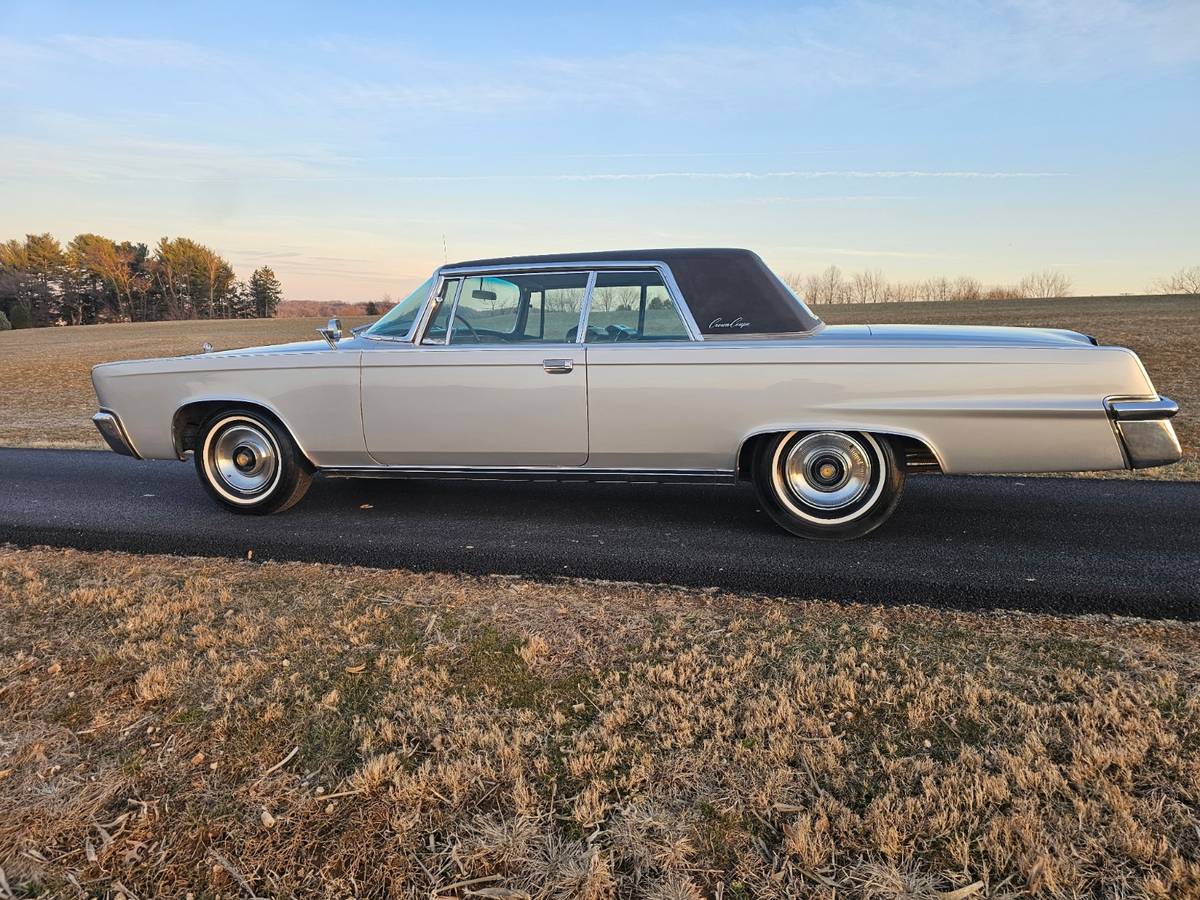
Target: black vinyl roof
729,291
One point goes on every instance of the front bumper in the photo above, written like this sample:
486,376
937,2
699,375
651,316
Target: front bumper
114,434
1145,432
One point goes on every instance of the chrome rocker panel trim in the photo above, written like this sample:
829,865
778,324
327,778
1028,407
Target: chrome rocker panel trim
533,473
114,434
1145,432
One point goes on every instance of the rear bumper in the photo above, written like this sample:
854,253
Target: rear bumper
114,434
1145,432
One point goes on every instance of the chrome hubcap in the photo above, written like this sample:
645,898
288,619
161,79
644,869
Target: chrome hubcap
827,470
243,456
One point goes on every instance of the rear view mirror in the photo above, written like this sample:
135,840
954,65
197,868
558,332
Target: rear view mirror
489,296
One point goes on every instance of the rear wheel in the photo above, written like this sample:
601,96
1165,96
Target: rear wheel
828,485
248,463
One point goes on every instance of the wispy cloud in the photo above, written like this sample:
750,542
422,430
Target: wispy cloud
810,52
155,53
813,51
821,199
138,159
814,173
114,158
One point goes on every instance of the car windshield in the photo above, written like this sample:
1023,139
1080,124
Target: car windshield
398,320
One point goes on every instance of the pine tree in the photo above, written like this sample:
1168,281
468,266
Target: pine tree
241,301
20,317
267,292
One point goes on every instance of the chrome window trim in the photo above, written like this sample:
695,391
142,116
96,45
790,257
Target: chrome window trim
673,294
463,273
584,264
415,328
416,334
424,342
585,308
685,311
422,322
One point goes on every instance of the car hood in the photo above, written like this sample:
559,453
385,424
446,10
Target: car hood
975,335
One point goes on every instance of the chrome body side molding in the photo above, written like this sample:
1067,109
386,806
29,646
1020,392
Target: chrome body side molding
533,473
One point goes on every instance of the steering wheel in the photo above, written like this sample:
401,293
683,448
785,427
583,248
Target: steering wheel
470,327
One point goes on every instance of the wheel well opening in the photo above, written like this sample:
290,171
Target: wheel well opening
917,455
188,420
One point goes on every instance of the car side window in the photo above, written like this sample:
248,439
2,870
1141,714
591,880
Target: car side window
436,330
633,306
398,321
538,308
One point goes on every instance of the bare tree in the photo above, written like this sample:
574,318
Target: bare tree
867,287
1185,281
605,298
1002,292
936,288
966,288
796,282
828,287
1047,283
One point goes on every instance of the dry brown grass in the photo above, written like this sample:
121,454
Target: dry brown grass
48,400
172,725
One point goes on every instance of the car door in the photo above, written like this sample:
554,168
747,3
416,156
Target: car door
496,380
656,400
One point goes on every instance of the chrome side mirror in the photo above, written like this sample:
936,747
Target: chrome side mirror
332,332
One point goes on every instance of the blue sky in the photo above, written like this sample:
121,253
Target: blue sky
355,147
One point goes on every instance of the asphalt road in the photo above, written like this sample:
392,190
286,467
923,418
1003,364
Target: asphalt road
1051,544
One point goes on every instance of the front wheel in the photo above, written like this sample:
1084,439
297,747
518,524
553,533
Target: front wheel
248,463
828,485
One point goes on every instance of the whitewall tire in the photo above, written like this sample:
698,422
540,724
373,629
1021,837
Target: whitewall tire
828,485
249,463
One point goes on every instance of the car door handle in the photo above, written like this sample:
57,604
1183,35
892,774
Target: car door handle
558,366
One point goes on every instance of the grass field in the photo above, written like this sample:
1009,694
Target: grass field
48,398
172,725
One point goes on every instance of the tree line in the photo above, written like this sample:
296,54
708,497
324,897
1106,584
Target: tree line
870,286
96,279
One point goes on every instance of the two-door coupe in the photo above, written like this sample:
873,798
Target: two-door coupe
639,365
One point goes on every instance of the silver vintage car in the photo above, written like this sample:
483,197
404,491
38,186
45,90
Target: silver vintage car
684,364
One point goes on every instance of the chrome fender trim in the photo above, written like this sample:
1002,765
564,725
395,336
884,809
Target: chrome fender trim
1142,410
1144,430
